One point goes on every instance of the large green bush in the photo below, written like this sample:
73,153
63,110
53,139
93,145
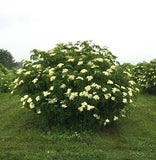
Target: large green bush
76,84
145,76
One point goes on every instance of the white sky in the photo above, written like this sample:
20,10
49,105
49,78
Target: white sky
126,27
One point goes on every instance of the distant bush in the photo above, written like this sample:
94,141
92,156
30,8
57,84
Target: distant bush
6,78
128,66
145,76
3,69
77,84
7,59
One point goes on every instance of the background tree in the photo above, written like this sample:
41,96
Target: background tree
19,64
7,59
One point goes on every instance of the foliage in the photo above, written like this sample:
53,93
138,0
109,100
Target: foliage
6,78
3,69
76,84
128,66
7,59
145,76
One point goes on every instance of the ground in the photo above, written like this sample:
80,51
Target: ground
22,136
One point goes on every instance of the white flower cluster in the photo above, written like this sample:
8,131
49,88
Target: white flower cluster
84,105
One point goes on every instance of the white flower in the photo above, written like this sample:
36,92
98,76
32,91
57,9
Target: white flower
68,91
96,97
113,67
27,73
109,82
117,85
51,88
46,93
37,98
90,63
96,53
115,90
81,78
83,71
89,107
22,99
89,78
64,106
113,98
80,63
123,115
106,96
26,96
65,70
84,104
124,94
51,101
84,93
81,108
109,70
63,50
127,73
107,60
96,116
71,77
52,78
123,87
16,80
63,86
104,89
40,59
35,80
98,59
12,92
90,96
137,89
51,71
96,86
60,65
70,60
20,82
38,111
73,95
107,120
94,66
106,73
130,93
115,118
29,100
124,100
19,71
87,88
130,101
132,82
31,105
36,66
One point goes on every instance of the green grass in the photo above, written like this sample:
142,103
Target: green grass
22,137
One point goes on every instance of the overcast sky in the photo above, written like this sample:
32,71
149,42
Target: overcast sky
126,27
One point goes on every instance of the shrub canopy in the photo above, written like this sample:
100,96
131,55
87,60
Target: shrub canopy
145,76
76,84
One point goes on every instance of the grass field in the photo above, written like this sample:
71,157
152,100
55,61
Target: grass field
23,138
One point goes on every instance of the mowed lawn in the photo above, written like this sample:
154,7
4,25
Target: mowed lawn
23,137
